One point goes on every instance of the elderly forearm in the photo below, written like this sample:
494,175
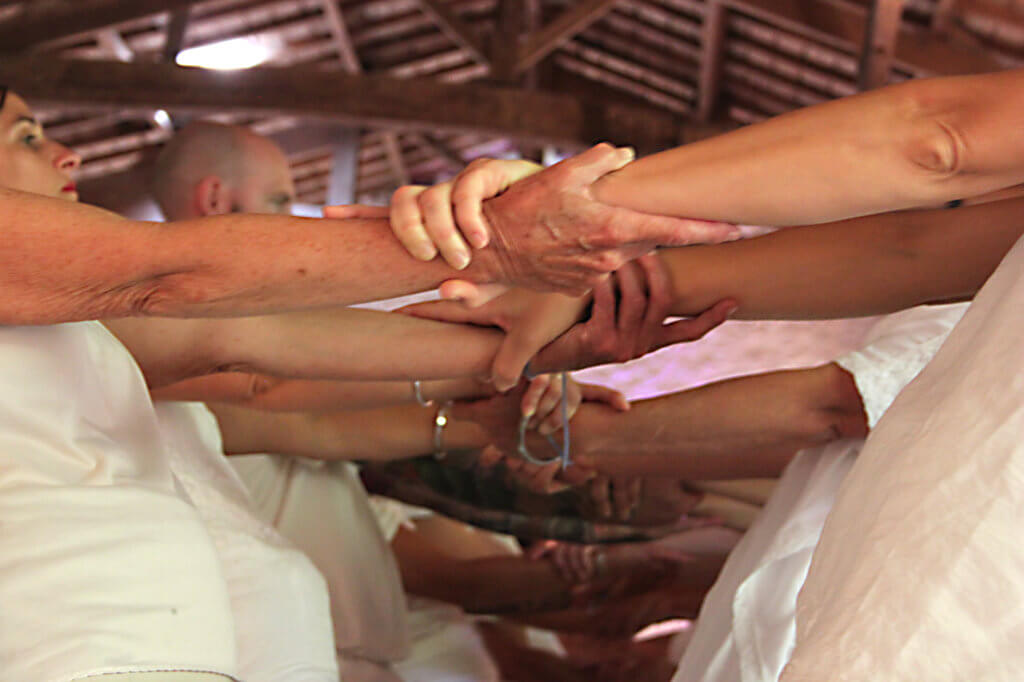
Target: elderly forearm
739,428
863,266
911,145
62,262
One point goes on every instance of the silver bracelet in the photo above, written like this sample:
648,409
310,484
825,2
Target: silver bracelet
440,421
417,391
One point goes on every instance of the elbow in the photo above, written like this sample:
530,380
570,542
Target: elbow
930,140
838,410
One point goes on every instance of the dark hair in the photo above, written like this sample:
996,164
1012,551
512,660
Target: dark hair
3,95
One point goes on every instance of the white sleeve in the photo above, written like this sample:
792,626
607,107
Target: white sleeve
896,349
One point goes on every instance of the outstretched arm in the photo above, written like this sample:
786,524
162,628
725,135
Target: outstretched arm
61,262
263,392
346,344
863,266
739,428
912,145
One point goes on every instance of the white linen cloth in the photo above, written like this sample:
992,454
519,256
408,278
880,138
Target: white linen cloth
278,598
919,573
322,508
105,567
746,629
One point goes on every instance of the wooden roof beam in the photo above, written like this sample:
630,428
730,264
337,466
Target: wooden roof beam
709,82
555,34
843,25
55,21
372,101
461,33
174,36
342,39
880,36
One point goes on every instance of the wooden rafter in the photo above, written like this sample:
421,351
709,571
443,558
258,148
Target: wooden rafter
555,34
59,20
393,151
362,100
508,30
880,36
342,39
460,32
441,149
174,37
842,26
713,55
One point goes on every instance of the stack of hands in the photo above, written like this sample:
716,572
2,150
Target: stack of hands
587,318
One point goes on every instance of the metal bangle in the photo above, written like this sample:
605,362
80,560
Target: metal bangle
440,421
564,449
417,391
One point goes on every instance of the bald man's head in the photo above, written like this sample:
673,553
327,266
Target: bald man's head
212,168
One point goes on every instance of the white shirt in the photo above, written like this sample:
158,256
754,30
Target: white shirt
278,598
746,629
104,565
919,574
324,511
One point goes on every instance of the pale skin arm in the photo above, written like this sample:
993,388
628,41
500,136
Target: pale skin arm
916,144
62,262
863,266
346,344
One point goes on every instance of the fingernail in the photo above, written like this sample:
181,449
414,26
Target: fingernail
425,252
545,429
460,259
731,311
628,153
477,239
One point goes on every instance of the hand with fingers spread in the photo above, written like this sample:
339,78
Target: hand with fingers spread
626,321
542,228
615,497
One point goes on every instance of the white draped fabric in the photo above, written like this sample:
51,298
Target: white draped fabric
919,574
746,629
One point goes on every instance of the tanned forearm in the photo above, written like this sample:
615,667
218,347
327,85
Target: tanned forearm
864,266
911,145
739,428
61,262
263,392
382,434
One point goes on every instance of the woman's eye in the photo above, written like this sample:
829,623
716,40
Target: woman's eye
31,139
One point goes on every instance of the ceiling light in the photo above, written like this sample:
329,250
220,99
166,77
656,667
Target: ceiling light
236,53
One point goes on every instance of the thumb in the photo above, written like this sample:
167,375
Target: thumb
697,327
448,311
470,293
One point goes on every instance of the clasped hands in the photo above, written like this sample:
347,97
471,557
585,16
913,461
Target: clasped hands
542,229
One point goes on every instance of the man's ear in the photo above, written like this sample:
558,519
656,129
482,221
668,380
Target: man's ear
211,196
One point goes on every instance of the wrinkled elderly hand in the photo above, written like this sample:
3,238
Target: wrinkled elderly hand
544,231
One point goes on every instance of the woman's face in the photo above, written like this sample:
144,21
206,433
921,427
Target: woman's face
28,161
